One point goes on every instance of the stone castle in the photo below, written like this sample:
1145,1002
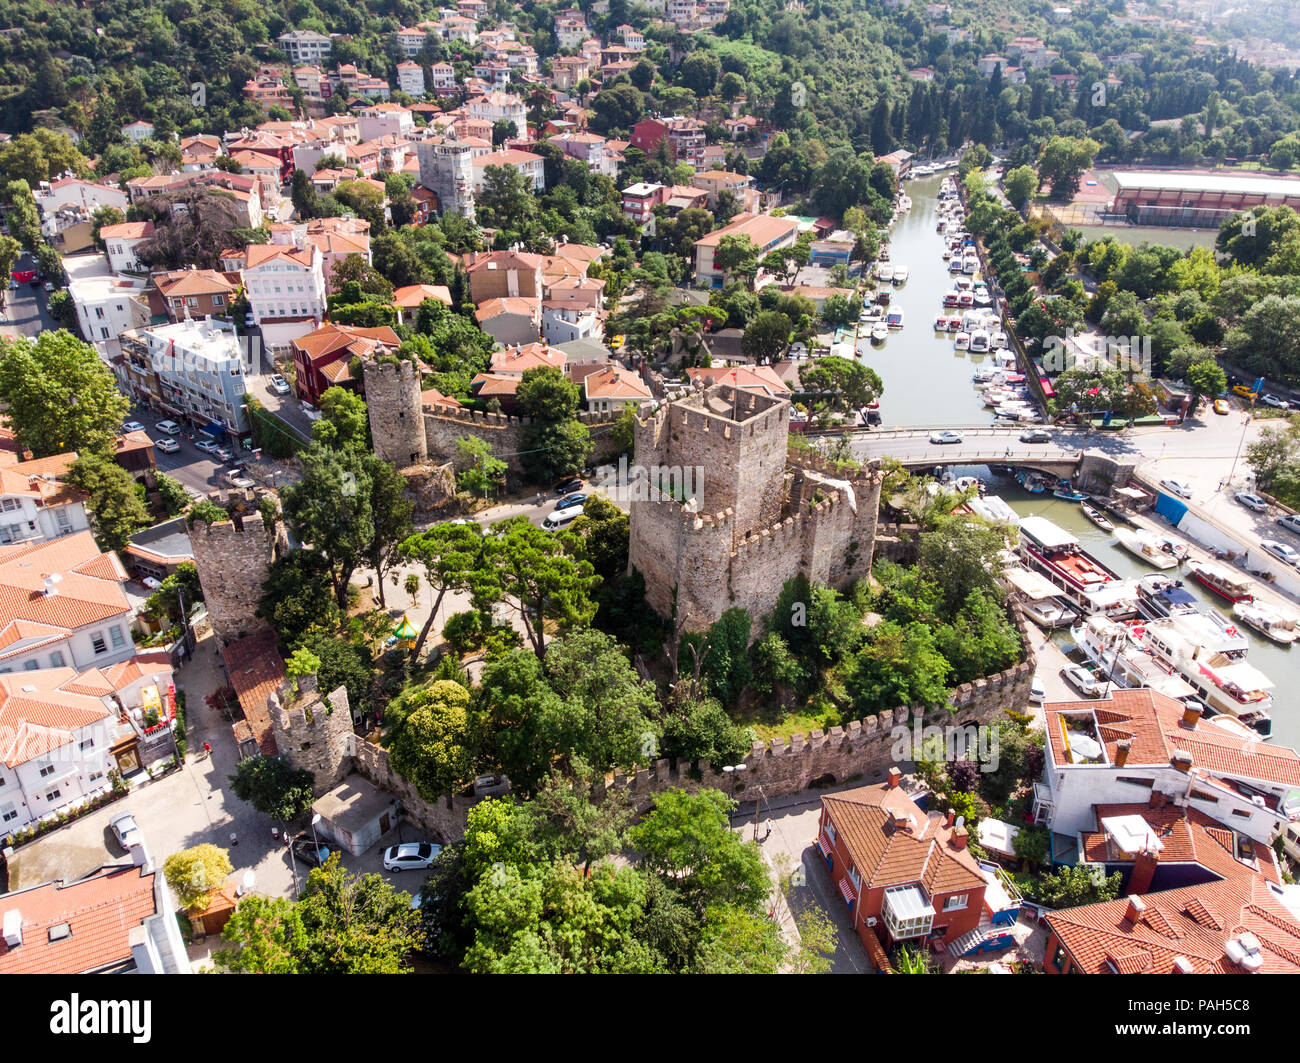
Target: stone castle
761,514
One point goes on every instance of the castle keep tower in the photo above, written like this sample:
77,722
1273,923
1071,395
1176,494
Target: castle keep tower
232,558
396,411
757,515
312,732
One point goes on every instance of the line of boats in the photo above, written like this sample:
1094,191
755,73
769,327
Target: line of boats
1149,632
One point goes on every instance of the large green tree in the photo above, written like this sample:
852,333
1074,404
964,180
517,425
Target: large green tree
60,395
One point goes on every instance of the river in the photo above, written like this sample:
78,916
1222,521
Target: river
927,384
927,380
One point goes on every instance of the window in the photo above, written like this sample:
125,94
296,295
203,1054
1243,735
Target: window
115,633
8,812
99,312
89,743
218,300
9,504
1241,812
31,666
855,878
47,770
956,903
830,832
95,776
54,795
97,642
103,333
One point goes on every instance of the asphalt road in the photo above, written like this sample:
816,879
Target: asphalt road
25,313
191,466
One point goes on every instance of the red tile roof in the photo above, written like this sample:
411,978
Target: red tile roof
256,672
101,910
1194,922
886,854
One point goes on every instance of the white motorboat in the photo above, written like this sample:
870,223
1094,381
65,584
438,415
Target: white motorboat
900,274
963,341
1279,625
970,263
955,263
999,341
879,333
979,342
884,272
1223,680
1144,545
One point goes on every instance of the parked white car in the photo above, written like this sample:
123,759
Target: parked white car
410,856
1281,551
1179,487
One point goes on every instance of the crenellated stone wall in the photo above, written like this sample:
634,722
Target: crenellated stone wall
503,433
441,822
314,733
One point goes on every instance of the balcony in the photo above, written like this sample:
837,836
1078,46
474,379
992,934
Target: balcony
908,912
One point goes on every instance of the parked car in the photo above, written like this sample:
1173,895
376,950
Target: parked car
169,427
945,437
1179,487
567,486
49,286
1290,521
1035,435
206,445
151,583
1038,690
1251,501
132,426
1221,407
410,856
124,828
575,499
309,852
167,446
1281,551
1083,681
249,320
1274,401
1245,392
279,384
224,453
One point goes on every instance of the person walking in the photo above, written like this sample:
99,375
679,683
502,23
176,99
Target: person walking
234,838
207,749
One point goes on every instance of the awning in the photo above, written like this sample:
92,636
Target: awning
1033,585
216,428
170,409
1131,492
823,845
846,891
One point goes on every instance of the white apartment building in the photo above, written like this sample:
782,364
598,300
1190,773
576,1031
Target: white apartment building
74,192
36,508
496,106
386,119
410,78
201,369
107,305
285,285
305,46
121,242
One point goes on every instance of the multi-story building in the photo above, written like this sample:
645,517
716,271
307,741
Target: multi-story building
685,136
568,70
385,119
443,76
35,506
107,305
305,46
411,40
121,242
62,606
766,232
738,184
640,200
531,166
590,148
494,107
196,292
322,358
285,285
1141,743
138,131
200,370
570,28
119,919
446,170
501,274
410,78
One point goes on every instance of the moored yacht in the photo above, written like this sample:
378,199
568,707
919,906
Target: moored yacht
1159,596
894,319
901,274
884,272
1106,643
1221,679
1145,546
1222,581
1085,581
1279,625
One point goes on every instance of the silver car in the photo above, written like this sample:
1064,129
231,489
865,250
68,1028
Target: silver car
124,829
1281,551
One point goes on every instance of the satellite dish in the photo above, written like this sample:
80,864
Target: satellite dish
961,821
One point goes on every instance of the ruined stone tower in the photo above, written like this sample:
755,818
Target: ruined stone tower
314,733
396,411
232,558
757,514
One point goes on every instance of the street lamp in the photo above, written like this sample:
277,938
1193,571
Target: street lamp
1240,443
731,770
